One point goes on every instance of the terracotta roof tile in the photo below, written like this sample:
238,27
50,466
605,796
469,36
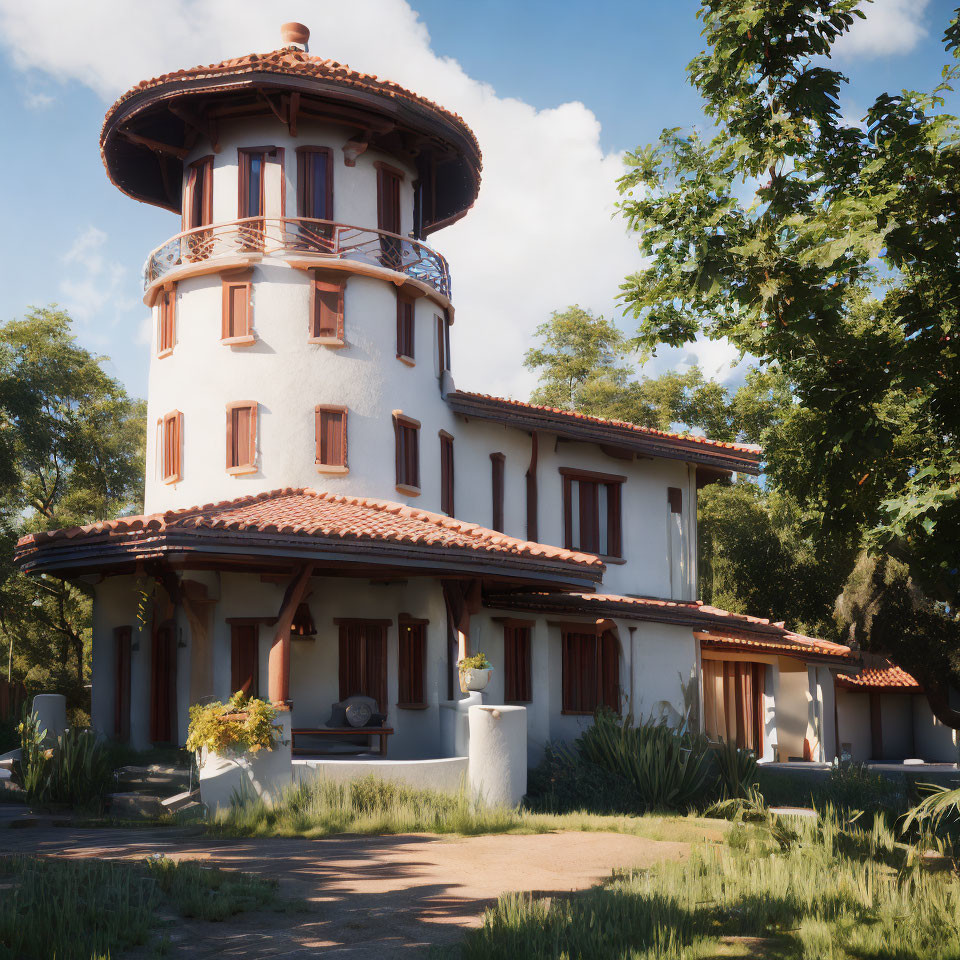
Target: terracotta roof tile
307,512
293,61
751,450
879,673
713,626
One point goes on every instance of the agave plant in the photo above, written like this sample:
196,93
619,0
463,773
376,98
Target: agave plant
737,770
668,769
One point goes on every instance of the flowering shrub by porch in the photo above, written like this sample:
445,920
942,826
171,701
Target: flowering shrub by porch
240,724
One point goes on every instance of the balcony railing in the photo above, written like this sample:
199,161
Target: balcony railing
293,236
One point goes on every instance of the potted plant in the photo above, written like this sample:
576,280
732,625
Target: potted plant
242,748
475,672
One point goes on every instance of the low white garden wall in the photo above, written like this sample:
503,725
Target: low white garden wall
447,774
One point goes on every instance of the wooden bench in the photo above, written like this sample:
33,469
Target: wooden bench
340,732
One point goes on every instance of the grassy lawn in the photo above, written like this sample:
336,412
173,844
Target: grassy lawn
371,806
83,909
819,891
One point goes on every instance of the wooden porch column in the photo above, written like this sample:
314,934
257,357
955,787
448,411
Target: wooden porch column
279,664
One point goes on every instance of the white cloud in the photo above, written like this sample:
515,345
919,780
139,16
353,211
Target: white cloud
95,287
542,234
890,27
37,99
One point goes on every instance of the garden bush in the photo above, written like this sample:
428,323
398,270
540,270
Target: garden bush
74,770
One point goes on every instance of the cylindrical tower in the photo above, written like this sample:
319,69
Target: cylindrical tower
301,323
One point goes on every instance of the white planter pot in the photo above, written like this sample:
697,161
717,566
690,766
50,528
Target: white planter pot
263,774
473,679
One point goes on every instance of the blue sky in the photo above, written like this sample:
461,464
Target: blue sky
561,87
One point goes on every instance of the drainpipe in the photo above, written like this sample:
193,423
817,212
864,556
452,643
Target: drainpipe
632,631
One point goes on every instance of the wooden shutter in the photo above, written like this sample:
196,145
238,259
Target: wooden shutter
198,194
163,685
241,435
589,507
363,660
172,436
446,473
580,676
252,163
516,663
331,436
497,485
614,521
167,302
610,671
407,437
315,183
388,198
327,313
244,659
237,308
410,662
121,682
405,327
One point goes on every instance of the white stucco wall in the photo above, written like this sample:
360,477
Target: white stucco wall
934,741
853,717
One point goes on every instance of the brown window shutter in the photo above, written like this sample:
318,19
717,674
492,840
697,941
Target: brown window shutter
405,327
407,434
589,516
497,485
172,434
568,513
236,311
675,499
614,521
610,671
388,198
327,308
121,695
315,183
446,474
189,195
206,207
410,663
244,659
581,677
241,435
516,661
331,436
168,312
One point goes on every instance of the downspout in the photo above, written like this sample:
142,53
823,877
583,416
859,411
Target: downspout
632,631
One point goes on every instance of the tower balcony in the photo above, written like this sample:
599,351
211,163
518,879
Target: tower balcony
301,238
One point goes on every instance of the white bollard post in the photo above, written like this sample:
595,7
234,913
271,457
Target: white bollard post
51,710
498,753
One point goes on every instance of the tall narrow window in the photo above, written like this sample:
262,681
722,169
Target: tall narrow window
121,676
236,326
517,686
244,658
411,660
363,660
388,197
261,191
388,215
591,671
315,197
405,328
446,473
170,430
241,437
407,432
733,702
167,320
591,512
326,315
331,433
497,463
198,194
443,343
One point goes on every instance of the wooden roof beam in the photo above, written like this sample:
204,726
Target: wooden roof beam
207,126
156,145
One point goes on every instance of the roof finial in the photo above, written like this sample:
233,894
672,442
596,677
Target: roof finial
295,33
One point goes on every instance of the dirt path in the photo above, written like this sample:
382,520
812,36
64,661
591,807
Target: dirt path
380,897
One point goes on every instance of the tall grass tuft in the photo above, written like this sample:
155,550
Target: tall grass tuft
823,889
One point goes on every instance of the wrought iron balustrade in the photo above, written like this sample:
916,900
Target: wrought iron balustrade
323,239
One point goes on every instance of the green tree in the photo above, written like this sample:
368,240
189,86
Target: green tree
75,442
769,234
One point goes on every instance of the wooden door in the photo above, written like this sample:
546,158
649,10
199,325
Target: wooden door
163,686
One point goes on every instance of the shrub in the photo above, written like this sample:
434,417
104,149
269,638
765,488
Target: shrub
565,783
74,771
852,787
239,724
736,771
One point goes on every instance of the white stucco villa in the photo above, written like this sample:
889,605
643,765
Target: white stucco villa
327,515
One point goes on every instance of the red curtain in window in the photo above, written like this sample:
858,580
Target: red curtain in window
363,661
